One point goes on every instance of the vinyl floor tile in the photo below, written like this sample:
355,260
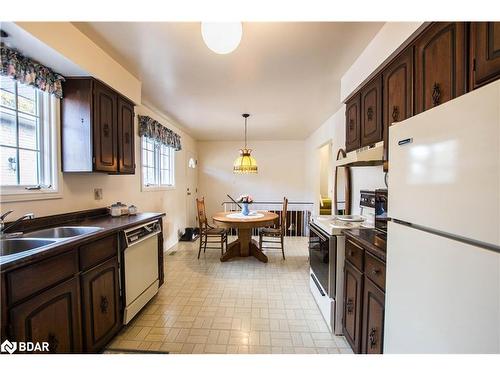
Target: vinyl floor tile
241,307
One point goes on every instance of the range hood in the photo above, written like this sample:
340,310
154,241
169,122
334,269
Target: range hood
364,157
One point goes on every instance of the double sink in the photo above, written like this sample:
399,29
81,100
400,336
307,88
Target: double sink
37,240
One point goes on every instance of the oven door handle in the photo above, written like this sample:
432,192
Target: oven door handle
317,285
318,234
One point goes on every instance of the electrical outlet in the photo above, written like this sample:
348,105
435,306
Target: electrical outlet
97,194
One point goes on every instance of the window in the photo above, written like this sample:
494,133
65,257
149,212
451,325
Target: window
157,164
27,127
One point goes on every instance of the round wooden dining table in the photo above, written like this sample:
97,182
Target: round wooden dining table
244,246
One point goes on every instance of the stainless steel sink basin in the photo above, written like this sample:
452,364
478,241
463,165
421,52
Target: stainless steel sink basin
61,232
18,245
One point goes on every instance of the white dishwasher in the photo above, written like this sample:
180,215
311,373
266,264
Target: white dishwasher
140,259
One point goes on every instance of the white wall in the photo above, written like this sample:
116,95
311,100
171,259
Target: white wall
385,43
71,43
78,189
281,172
387,40
326,171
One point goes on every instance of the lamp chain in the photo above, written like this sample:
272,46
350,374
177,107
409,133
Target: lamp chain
245,132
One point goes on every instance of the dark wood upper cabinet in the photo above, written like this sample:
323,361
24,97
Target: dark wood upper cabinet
126,148
97,128
353,286
485,52
52,316
397,98
373,319
105,129
440,64
76,134
353,123
371,109
101,305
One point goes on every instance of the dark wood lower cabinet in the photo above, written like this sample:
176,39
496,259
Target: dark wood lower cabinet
52,316
73,305
372,341
364,300
70,297
101,305
353,286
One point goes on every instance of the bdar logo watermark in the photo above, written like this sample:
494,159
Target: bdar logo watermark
23,346
8,347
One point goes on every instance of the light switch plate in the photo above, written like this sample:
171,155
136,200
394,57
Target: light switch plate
97,194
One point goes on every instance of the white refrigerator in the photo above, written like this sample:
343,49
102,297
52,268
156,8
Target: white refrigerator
443,243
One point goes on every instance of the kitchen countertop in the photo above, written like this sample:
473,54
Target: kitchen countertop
107,223
369,239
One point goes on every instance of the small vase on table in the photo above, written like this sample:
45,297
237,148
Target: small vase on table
244,210
245,200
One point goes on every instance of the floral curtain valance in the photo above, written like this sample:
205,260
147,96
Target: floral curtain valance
30,72
151,128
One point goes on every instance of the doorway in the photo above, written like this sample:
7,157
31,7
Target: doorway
191,189
325,179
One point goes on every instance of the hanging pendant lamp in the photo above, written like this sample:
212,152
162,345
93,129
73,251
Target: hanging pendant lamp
245,163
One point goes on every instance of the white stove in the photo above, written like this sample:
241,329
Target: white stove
334,225
327,254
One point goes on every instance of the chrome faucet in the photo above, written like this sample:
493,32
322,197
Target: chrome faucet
4,228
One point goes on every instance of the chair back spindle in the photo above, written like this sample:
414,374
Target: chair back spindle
202,215
283,221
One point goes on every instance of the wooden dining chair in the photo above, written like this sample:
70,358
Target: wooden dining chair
207,232
275,233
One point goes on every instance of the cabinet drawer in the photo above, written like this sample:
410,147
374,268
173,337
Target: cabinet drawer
96,252
35,277
354,254
375,270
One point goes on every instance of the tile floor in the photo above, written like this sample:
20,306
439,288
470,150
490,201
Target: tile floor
242,306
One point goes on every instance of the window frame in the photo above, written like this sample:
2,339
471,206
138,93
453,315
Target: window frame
157,167
50,180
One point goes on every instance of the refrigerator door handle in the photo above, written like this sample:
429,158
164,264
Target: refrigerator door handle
405,141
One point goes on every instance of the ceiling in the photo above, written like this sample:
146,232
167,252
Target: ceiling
286,75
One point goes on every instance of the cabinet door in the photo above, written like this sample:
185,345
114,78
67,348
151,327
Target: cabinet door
126,137
353,284
105,129
397,93
440,62
52,316
371,107
373,319
76,125
352,123
485,43
101,305
3,308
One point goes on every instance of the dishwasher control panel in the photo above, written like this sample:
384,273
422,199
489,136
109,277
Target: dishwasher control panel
141,232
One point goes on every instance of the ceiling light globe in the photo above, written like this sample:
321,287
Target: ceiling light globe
222,37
